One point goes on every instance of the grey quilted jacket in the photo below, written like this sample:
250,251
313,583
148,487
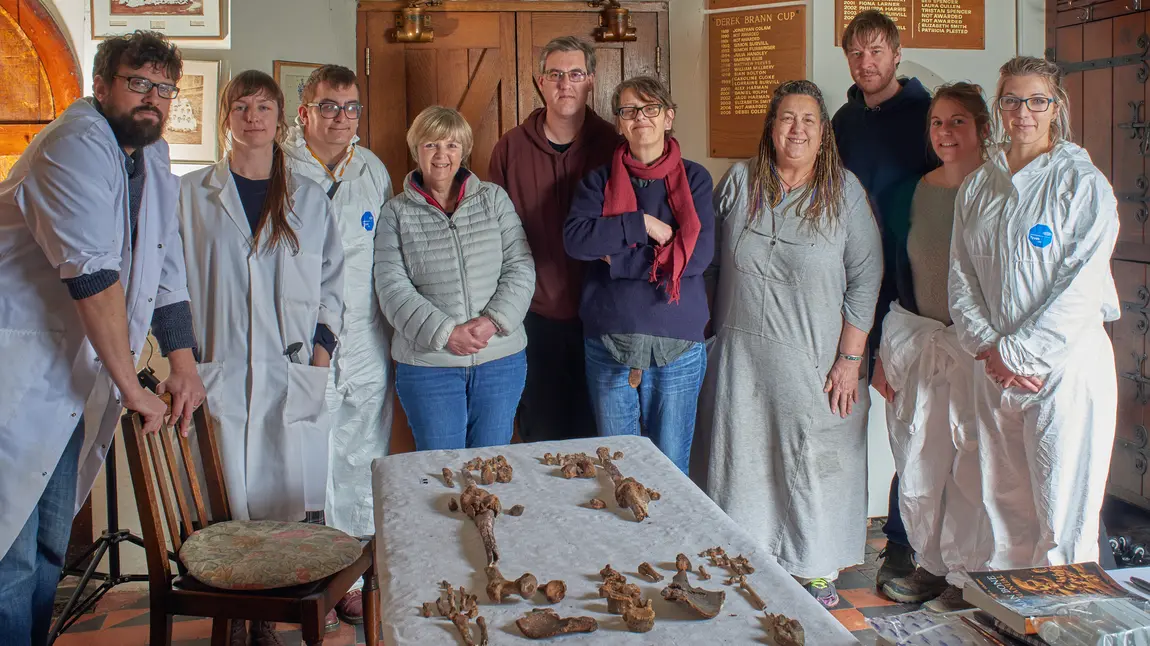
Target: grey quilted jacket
433,273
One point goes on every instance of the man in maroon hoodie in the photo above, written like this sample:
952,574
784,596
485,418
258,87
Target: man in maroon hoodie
540,164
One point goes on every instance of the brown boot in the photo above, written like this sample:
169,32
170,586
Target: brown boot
239,636
263,633
350,608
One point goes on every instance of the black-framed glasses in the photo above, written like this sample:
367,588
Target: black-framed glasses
141,85
1033,103
329,110
575,76
651,110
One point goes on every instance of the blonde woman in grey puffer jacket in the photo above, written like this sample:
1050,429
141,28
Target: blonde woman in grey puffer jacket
454,277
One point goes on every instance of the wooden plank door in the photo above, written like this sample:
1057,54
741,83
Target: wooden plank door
470,66
616,62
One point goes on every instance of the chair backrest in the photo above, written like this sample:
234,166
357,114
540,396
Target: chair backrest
164,478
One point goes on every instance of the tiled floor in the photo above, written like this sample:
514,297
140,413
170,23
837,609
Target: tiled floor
121,617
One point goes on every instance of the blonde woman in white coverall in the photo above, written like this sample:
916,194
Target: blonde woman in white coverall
1030,288
359,394
923,372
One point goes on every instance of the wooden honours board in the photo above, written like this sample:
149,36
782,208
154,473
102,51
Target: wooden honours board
928,24
751,53
735,4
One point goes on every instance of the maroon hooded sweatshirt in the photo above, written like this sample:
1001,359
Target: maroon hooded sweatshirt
541,182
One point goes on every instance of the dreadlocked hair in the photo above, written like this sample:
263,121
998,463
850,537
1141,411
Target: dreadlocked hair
823,193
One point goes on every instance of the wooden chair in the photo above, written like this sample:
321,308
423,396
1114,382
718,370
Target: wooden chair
154,461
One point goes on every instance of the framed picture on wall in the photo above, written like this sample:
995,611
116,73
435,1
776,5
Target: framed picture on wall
292,76
183,19
192,117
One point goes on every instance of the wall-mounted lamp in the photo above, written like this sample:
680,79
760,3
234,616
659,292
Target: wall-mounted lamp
614,22
413,25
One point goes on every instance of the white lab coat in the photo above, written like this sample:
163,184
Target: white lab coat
1030,273
934,441
64,213
247,309
360,398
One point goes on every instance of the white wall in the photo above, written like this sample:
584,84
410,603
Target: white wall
1012,28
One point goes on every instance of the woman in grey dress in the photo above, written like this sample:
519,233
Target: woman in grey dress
798,263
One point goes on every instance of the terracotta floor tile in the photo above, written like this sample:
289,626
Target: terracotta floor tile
877,543
851,619
118,617
865,598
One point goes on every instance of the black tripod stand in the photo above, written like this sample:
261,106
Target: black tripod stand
108,543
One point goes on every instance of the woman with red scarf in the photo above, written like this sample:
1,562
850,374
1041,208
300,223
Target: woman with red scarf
646,227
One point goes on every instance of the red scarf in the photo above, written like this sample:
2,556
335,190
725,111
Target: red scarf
619,198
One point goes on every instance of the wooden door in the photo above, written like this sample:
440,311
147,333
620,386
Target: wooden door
38,72
1103,47
469,66
615,62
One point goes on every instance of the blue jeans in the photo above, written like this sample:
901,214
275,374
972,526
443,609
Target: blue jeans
30,570
894,529
663,405
456,408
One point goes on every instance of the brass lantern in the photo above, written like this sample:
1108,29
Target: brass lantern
614,23
413,25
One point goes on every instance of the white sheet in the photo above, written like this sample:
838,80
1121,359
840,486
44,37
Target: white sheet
421,543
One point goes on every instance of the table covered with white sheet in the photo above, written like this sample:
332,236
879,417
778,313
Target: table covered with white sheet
559,536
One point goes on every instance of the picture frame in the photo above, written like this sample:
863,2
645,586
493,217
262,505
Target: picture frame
177,19
193,115
291,76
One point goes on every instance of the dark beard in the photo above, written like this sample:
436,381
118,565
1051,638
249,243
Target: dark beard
131,133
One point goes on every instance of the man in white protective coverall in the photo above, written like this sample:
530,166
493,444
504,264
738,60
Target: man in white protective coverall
1030,289
323,148
90,259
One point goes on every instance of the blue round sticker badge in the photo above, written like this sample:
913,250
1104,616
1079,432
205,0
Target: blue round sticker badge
1040,235
368,221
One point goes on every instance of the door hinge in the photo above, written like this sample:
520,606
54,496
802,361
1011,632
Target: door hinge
367,61
658,60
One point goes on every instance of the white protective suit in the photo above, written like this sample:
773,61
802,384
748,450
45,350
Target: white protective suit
64,213
1030,274
360,396
935,443
248,308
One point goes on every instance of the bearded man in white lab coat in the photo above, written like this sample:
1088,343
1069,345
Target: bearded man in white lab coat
359,396
90,257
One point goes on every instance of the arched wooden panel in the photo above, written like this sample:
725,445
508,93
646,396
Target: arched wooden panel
38,71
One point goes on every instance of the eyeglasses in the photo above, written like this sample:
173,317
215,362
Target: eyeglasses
141,85
1033,103
651,110
331,110
575,76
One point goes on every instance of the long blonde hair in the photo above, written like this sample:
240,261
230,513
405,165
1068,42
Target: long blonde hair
278,203
824,193
1052,74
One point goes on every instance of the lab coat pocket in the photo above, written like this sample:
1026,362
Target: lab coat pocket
301,278
305,416
23,350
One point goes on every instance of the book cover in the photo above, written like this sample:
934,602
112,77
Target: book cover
1018,598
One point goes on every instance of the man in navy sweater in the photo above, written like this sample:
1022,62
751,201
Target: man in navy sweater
881,134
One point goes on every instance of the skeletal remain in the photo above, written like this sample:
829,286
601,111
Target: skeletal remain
707,603
654,495
756,600
428,609
649,572
609,574
784,631
482,507
482,623
549,459
503,474
542,623
453,505
573,465
640,618
738,565
703,574
517,510
619,594
741,565
682,562
597,504
569,470
463,624
629,492
554,591
447,478
618,455
498,587
474,464
487,475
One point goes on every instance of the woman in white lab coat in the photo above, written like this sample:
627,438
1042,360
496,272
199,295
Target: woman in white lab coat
1030,288
265,275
